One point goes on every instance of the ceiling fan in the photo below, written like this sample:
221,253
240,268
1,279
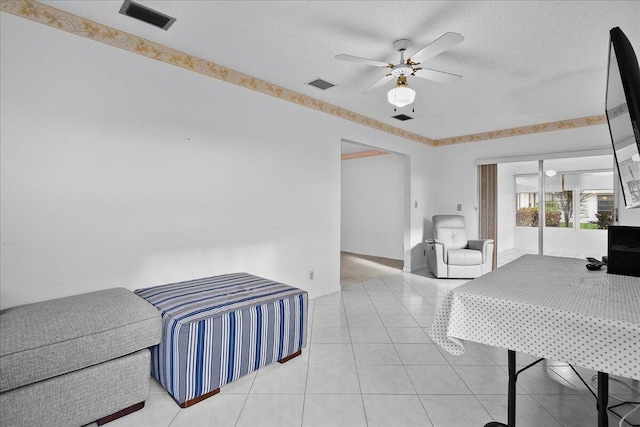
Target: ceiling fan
402,94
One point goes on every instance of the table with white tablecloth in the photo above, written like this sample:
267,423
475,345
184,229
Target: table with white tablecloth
549,307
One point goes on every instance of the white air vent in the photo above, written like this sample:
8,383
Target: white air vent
321,84
145,14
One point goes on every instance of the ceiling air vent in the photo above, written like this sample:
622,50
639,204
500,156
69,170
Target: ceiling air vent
143,13
321,84
402,117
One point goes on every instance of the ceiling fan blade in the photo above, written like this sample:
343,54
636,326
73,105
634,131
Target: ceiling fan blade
377,85
444,42
365,61
437,76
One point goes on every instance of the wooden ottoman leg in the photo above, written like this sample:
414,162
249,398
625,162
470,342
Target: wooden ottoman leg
291,356
120,414
198,399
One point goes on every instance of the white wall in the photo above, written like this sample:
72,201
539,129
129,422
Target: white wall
575,244
373,205
118,170
559,241
628,216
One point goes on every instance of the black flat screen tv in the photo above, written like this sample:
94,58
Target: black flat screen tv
623,114
624,250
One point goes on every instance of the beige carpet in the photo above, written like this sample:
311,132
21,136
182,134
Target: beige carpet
356,268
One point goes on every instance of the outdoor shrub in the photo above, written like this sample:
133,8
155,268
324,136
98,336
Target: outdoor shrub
604,219
552,218
527,217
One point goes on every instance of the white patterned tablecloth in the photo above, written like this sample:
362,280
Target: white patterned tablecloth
548,307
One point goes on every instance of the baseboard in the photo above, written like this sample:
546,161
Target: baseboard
415,268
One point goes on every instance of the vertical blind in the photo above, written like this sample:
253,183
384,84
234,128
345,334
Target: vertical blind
488,200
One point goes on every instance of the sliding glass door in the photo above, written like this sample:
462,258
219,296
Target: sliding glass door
559,207
579,206
518,201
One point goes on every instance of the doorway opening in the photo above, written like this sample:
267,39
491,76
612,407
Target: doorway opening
374,213
356,268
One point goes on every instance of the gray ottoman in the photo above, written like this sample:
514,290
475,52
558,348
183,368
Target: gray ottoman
75,360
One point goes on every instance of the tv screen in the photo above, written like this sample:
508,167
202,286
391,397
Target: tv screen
624,250
623,114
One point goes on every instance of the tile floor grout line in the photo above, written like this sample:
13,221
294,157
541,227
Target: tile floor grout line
542,406
424,408
246,397
355,365
461,379
174,417
306,381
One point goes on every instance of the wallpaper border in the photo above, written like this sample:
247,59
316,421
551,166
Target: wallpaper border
363,154
74,24
524,130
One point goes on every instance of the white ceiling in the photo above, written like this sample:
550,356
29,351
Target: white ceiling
522,63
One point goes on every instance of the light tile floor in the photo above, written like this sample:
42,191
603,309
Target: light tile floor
369,362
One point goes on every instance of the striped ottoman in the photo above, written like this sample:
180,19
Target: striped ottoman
218,329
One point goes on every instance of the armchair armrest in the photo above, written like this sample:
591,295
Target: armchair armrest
437,257
443,247
480,245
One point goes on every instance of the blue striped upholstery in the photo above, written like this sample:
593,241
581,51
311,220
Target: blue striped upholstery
218,329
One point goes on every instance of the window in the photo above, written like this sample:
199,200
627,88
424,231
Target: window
574,199
605,202
527,200
559,209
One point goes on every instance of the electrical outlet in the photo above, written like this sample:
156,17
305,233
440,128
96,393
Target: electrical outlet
310,275
459,207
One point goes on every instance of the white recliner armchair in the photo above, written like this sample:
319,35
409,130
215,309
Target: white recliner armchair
451,255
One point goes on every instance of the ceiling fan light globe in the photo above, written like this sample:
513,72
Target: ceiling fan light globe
401,96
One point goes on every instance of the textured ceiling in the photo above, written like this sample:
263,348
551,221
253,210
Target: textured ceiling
522,63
